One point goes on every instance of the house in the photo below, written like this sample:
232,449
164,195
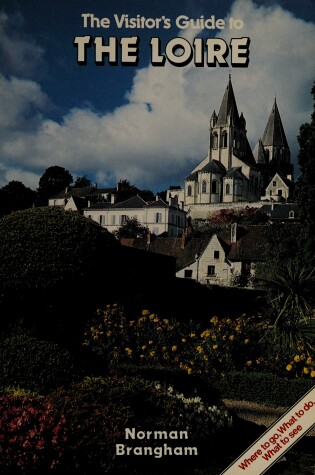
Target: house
279,189
75,199
227,258
159,216
281,212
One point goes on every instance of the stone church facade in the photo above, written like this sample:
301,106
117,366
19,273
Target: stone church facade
231,172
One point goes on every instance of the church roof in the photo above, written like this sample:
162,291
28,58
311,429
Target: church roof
228,107
259,153
214,166
236,172
274,132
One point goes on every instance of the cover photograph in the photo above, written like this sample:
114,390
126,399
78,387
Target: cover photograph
157,223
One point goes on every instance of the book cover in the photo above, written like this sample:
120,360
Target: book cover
156,212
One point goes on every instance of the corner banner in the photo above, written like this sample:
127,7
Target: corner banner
277,439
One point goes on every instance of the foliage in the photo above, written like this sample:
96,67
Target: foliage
145,340
248,215
290,305
32,438
131,228
16,196
41,247
264,388
305,186
98,410
32,364
53,180
81,182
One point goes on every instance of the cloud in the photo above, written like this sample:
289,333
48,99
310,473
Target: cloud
18,55
161,132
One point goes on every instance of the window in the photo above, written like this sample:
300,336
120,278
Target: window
228,189
158,217
280,192
102,219
113,219
214,187
274,183
189,190
204,187
224,140
123,219
291,214
216,254
215,140
211,270
188,273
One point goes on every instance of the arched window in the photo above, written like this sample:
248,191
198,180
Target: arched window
189,190
224,139
215,140
204,187
291,214
214,187
228,189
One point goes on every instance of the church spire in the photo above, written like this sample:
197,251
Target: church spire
228,110
274,134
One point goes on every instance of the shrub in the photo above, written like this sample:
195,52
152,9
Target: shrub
34,364
98,410
32,438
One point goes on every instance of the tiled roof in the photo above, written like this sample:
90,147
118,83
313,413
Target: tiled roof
80,192
274,132
214,166
281,211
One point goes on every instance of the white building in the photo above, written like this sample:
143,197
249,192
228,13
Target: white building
158,216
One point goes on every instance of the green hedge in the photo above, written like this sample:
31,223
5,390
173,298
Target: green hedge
262,388
33,364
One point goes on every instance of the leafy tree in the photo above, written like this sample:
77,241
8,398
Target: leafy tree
131,228
305,186
16,196
54,180
81,182
125,190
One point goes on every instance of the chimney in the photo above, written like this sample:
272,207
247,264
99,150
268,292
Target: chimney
157,197
95,185
233,232
89,203
112,198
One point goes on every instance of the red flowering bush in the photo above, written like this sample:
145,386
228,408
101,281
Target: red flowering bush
32,438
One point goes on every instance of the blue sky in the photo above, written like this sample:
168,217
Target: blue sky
142,123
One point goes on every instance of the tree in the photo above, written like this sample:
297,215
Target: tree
131,228
16,196
82,182
305,186
54,180
125,190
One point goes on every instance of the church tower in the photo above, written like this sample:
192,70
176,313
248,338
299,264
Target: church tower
276,146
229,172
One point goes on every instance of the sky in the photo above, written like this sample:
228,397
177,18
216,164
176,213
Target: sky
144,123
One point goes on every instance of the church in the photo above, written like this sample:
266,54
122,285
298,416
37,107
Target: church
233,173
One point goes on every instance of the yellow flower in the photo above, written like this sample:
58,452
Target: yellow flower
174,348
249,363
152,353
159,329
306,370
231,337
205,357
192,335
309,360
150,342
246,341
184,340
156,320
108,333
215,347
143,347
238,328
199,349
289,367
297,358
145,313
214,320
141,356
313,374
189,370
